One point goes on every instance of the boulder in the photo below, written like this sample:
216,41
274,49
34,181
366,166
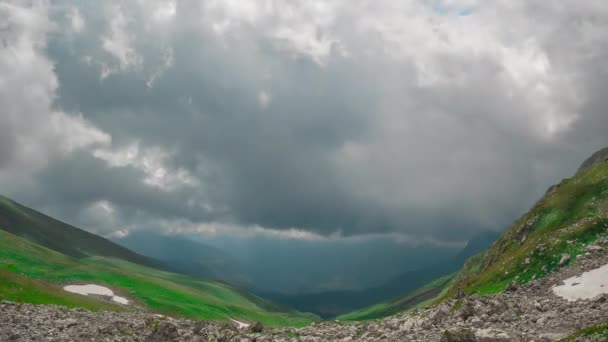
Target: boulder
458,335
257,327
594,248
493,335
166,332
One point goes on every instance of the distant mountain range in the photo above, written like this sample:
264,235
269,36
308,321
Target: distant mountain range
333,303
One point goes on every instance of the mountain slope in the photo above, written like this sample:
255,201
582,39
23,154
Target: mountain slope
32,273
186,256
39,254
58,236
572,215
411,300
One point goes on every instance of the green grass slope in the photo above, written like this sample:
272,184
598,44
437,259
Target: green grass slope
32,273
594,333
568,218
58,236
414,299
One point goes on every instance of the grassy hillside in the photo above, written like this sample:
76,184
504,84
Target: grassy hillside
568,218
58,236
594,333
32,273
416,298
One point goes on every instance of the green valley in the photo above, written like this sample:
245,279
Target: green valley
33,273
417,298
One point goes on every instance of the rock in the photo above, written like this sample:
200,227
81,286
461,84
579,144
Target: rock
467,310
594,248
198,327
67,323
458,335
512,287
564,260
257,327
461,294
166,332
603,298
439,316
492,335
477,322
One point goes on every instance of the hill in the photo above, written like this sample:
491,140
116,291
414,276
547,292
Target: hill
571,216
33,273
61,237
186,256
557,230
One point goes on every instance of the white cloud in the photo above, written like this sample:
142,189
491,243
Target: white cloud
152,162
408,106
31,128
224,229
168,60
77,22
301,27
119,40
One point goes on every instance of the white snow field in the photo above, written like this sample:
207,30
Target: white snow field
585,286
92,289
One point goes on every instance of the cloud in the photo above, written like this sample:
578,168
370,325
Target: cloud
33,131
428,119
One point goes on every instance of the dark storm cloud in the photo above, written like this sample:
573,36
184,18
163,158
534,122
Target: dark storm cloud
350,117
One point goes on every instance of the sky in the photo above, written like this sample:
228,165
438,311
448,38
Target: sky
428,120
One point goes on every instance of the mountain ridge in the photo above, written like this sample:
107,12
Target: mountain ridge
49,232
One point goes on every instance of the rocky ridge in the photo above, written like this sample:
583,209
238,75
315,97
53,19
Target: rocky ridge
531,312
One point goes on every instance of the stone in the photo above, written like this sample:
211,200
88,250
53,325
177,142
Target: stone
198,327
461,294
257,327
166,332
564,260
512,287
477,322
594,248
492,335
458,335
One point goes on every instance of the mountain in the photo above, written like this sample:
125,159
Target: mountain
334,303
186,256
550,236
553,234
597,158
30,272
60,237
289,266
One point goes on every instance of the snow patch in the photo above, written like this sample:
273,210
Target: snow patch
240,325
92,289
585,286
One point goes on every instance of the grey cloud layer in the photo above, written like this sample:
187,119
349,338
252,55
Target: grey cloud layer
326,116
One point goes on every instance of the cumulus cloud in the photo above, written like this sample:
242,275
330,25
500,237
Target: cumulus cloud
430,119
33,131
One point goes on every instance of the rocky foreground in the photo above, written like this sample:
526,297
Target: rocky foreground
528,313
